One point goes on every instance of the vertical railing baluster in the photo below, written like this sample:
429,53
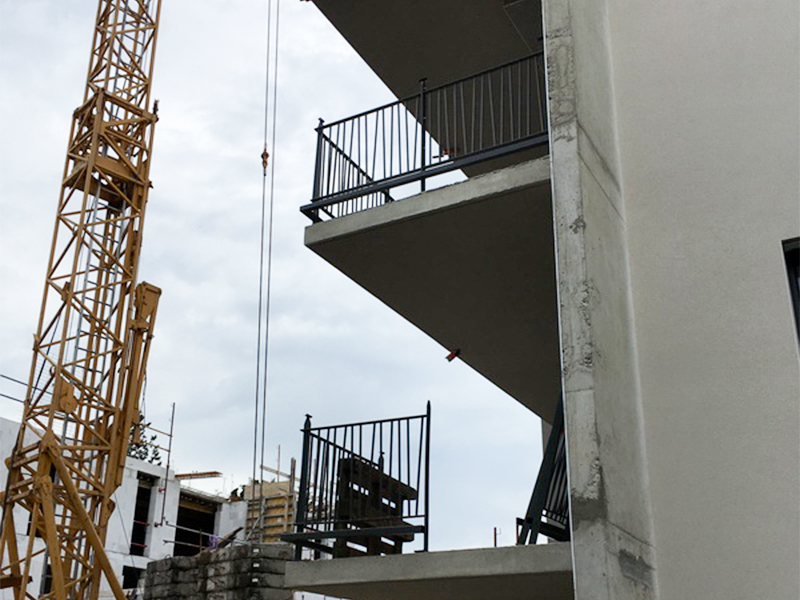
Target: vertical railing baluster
419,461
427,473
416,138
408,451
529,89
423,131
463,120
511,106
331,478
321,478
491,107
391,142
444,148
352,172
472,119
317,192
408,147
391,447
480,112
375,148
358,147
337,474
502,99
381,462
301,511
372,448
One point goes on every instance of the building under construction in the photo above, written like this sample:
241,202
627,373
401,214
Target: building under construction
620,254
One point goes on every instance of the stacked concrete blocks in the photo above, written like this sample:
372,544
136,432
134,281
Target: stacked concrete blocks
243,572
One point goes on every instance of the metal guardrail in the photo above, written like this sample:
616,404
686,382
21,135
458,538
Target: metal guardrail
548,510
363,487
494,113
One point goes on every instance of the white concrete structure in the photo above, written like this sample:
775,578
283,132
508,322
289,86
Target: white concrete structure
132,542
651,241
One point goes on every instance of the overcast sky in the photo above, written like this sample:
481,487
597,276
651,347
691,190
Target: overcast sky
335,351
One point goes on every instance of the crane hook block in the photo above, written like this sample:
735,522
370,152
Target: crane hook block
264,159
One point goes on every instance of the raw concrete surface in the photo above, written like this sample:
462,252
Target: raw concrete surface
442,41
471,265
512,573
610,510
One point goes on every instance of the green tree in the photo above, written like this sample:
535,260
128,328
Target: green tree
141,445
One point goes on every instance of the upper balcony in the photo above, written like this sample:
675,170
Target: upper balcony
472,263
476,124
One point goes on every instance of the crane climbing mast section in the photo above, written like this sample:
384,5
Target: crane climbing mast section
95,326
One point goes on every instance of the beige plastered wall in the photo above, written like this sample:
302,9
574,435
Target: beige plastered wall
708,105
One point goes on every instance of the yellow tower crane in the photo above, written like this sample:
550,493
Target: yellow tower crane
95,326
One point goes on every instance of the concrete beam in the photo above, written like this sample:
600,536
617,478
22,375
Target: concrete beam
512,573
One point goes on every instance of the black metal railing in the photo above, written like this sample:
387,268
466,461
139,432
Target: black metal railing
494,113
548,510
363,487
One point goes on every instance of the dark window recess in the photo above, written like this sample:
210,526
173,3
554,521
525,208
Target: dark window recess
196,519
141,514
130,577
791,251
47,579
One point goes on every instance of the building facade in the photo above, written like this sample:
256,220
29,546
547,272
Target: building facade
640,263
155,517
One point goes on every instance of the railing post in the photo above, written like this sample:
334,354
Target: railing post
424,124
317,192
302,500
427,475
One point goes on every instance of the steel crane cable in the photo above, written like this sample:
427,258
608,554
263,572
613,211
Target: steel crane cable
264,289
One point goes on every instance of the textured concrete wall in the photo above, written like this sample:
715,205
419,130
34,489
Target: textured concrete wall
613,546
244,572
675,154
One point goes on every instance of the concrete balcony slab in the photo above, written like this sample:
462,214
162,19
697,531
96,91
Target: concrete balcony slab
472,265
513,573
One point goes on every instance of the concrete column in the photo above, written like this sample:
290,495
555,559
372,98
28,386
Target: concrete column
613,548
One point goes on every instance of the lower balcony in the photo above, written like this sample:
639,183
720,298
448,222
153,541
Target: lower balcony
363,502
542,572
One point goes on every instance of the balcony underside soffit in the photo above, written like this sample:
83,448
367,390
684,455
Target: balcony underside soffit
441,40
472,265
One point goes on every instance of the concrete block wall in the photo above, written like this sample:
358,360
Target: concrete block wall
242,572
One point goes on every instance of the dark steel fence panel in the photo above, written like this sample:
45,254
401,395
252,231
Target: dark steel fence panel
347,495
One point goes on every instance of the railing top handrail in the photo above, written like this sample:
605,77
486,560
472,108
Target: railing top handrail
422,416
323,125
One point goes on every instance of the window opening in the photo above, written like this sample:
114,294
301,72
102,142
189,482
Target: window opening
141,516
196,520
130,577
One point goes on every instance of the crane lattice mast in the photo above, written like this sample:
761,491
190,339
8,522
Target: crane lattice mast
95,326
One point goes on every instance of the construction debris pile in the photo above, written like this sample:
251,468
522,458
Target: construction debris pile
242,572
